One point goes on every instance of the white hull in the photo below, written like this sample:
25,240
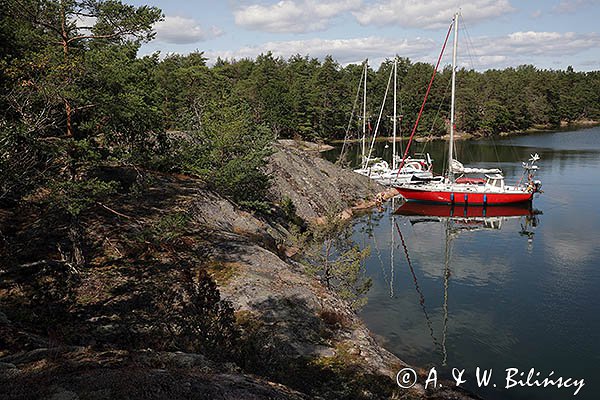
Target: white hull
403,178
382,174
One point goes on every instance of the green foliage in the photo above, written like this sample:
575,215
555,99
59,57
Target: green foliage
346,274
228,152
184,84
76,196
166,229
124,114
313,99
333,257
496,118
81,96
289,211
21,162
76,96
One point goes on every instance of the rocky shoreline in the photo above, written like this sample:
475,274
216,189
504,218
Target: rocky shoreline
301,340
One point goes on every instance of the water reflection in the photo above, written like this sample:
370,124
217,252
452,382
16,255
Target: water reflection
455,221
496,288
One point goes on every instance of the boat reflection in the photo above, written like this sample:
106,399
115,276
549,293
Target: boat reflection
449,211
473,217
457,219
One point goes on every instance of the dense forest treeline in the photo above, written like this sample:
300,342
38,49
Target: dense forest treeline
313,99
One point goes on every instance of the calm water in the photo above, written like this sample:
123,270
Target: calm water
520,292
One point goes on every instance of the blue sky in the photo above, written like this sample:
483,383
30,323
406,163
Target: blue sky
495,33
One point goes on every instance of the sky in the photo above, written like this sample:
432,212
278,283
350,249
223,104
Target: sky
550,34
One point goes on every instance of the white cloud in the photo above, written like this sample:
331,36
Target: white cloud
482,53
527,47
429,14
491,60
464,267
344,51
540,43
292,16
84,24
84,21
183,30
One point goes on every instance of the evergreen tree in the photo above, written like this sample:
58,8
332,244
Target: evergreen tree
60,96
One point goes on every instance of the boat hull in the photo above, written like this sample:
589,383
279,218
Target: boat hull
464,197
414,208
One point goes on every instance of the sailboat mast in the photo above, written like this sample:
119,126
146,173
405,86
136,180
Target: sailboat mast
364,137
394,131
392,253
451,145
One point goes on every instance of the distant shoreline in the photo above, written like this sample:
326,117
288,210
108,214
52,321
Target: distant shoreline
564,127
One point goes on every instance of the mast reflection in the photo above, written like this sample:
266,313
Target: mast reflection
457,219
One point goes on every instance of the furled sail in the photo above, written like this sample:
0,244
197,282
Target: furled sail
459,168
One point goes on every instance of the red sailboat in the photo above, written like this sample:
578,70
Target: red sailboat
457,187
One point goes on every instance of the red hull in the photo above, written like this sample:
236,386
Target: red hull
464,197
444,210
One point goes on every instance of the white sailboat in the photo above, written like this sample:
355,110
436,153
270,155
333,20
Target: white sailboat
379,170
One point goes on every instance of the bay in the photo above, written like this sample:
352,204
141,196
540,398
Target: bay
519,292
